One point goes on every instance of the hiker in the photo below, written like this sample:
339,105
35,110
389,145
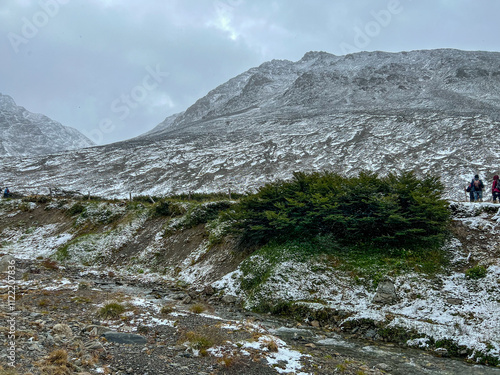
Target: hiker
468,189
495,189
6,192
477,188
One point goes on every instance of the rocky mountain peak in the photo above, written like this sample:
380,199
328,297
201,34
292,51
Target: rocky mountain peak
429,111
26,133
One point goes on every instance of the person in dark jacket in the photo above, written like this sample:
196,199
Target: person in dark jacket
471,192
477,188
6,192
495,189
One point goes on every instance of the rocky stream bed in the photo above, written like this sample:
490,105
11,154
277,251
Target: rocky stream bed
60,328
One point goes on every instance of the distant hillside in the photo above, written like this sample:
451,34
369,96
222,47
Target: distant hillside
431,111
26,133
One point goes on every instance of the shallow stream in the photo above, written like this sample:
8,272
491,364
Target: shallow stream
392,359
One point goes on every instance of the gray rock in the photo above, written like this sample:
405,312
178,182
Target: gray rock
370,334
124,338
96,330
228,298
386,292
441,352
93,345
383,366
49,340
454,301
62,330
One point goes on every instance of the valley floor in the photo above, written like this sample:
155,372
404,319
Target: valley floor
185,300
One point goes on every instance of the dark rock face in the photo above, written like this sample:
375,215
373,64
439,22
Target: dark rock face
26,133
429,111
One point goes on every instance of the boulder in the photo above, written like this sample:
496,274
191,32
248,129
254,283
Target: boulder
228,298
62,330
386,292
454,301
124,338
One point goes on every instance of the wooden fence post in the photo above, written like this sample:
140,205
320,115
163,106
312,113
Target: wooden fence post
130,196
229,193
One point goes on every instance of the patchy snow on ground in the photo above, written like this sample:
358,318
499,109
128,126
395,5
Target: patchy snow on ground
88,249
450,307
32,242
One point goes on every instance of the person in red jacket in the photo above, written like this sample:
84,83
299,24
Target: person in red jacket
495,189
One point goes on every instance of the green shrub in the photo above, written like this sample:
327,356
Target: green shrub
202,213
390,212
37,199
76,209
476,272
111,310
163,208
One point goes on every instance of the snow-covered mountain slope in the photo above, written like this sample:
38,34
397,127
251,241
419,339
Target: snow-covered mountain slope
433,111
26,133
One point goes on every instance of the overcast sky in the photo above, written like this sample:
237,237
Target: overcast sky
114,69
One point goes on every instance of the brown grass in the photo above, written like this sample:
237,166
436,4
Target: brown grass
56,363
203,337
198,308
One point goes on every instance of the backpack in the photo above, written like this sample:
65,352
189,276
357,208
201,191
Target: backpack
477,184
496,185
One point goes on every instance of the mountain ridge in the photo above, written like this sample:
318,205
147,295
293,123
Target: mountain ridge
27,133
432,111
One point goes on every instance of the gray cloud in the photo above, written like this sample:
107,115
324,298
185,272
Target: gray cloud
81,62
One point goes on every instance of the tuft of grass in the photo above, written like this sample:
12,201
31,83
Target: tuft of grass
111,311
271,345
167,309
202,338
199,341
43,303
56,363
476,272
198,308
228,360
58,357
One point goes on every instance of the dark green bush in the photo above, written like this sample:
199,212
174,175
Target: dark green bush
394,211
163,208
476,272
76,209
37,199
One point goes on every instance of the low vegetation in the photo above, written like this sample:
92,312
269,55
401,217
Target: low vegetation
111,311
476,272
397,211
